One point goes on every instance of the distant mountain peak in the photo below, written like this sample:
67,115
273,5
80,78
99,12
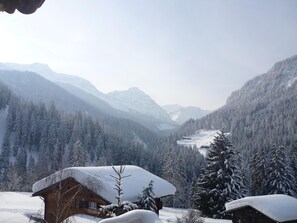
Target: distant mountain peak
135,100
181,114
132,90
135,89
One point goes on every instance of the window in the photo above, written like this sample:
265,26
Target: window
92,205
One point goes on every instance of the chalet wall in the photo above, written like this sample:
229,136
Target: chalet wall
251,215
69,198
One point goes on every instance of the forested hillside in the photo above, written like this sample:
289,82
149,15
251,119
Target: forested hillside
263,112
35,88
261,118
80,94
38,139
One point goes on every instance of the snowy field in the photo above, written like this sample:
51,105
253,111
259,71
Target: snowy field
202,138
18,207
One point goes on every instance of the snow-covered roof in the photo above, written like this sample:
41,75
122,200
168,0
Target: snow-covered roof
100,181
278,207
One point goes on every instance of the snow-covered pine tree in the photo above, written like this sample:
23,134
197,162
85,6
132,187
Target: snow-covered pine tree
4,161
293,161
146,200
30,174
258,172
14,180
5,95
21,164
221,181
77,155
280,179
172,172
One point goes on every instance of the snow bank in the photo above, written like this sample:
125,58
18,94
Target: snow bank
136,216
82,218
18,207
99,180
278,207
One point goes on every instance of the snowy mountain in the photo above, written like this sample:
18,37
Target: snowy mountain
136,101
262,113
36,89
136,106
46,72
181,114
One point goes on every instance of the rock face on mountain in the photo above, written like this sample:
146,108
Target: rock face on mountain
181,114
261,113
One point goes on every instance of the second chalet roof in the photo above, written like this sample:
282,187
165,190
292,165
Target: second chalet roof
100,181
279,207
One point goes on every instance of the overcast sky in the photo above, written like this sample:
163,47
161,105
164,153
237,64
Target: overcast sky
178,52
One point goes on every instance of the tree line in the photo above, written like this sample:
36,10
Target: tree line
228,177
39,140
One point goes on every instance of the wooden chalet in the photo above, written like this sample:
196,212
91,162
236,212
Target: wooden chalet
83,190
264,209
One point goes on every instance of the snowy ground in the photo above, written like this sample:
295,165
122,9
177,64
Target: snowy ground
18,207
202,138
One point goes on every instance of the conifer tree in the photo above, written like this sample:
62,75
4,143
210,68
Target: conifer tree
4,160
21,164
30,174
280,179
146,200
258,172
78,155
220,181
13,182
172,172
5,95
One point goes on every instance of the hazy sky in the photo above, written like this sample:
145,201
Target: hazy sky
185,52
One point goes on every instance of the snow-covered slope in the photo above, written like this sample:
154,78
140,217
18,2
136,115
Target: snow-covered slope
18,207
45,71
261,113
133,105
181,114
136,100
201,140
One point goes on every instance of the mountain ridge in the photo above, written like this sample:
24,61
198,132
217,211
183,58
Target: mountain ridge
261,113
148,119
181,114
136,100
